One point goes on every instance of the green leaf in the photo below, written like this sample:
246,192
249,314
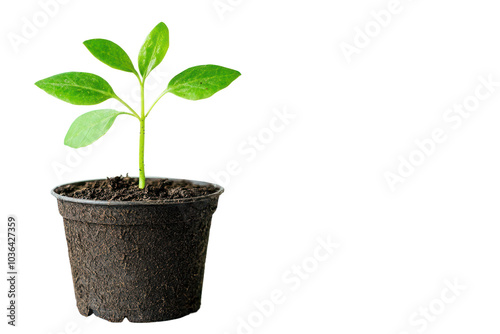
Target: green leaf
200,82
154,49
89,127
110,54
77,88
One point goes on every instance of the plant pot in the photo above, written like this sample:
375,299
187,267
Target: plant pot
143,261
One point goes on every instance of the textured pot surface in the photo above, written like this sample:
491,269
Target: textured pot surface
140,261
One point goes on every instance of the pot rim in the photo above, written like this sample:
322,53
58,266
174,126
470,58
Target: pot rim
217,193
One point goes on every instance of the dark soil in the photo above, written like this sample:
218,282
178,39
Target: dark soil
126,189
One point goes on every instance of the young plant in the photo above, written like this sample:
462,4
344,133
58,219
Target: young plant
195,83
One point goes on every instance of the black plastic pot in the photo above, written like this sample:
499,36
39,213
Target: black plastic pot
143,261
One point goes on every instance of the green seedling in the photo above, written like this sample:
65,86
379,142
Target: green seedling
195,83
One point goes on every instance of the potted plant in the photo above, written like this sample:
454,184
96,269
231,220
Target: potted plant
137,246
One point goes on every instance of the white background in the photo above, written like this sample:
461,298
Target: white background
323,175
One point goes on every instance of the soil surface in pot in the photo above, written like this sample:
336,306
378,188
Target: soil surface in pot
126,189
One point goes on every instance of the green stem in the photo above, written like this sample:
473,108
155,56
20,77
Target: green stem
128,107
128,113
158,99
142,174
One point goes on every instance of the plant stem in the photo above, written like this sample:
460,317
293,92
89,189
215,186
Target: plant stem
158,99
142,174
128,107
